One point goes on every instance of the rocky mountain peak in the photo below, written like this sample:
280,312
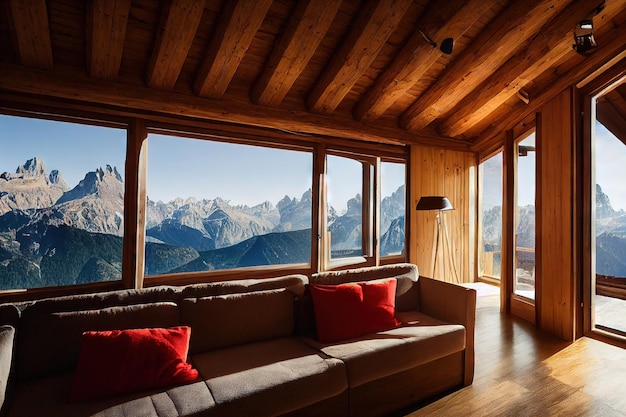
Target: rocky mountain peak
55,177
107,183
30,187
603,204
34,167
355,206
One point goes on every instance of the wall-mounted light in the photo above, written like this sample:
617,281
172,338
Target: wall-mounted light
447,45
584,39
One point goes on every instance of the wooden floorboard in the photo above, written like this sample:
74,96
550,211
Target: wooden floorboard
521,371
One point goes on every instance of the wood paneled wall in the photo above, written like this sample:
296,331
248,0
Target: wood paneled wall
555,220
451,174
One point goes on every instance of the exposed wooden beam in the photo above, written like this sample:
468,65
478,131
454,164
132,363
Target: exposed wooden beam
545,50
32,32
307,27
180,20
105,36
144,100
378,19
238,25
418,56
612,48
611,112
488,51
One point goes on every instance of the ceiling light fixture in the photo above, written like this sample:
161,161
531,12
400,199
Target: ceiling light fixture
447,45
585,41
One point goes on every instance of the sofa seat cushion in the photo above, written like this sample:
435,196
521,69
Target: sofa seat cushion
419,339
270,377
52,393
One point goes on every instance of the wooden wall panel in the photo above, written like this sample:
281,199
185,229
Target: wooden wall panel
449,173
555,152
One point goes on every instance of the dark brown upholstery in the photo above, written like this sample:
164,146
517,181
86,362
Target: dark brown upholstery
247,343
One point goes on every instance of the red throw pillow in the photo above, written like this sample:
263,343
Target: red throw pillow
115,362
353,309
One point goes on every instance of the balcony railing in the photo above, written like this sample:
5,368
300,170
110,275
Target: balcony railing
609,286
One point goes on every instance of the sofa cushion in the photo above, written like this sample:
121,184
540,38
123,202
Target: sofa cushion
51,393
406,275
353,309
99,300
294,283
51,341
420,339
121,361
271,377
232,319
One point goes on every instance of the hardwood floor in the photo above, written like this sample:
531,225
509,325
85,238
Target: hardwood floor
521,371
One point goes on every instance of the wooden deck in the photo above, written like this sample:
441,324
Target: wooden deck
521,371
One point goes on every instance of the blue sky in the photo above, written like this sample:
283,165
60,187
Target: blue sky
58,143
182,167
609,151
177,168
199,171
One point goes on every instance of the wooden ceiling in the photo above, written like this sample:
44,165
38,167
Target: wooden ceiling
350,69
611,110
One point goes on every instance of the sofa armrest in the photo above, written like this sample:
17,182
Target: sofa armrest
7,336
454,304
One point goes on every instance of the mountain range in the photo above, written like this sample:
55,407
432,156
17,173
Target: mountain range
610,234
44,225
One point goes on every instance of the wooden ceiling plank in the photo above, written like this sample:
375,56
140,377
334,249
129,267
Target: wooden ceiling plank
362,44
307,27
105,35
144,100
32,32
612,119
496,43
612,48
238,25
181,19
611,112
417,55
547,48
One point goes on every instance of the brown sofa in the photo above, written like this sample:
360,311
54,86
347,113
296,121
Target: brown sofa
253,343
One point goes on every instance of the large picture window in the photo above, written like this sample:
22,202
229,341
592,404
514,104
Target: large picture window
211,204
61,203
215,205
353,198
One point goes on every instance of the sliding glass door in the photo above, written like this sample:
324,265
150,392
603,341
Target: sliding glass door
608,209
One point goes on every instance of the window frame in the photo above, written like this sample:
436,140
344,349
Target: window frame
135,170
38,112
491,279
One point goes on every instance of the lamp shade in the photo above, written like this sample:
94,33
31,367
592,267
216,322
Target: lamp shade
434,203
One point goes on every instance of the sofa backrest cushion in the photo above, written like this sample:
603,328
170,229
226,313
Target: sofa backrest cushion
99,300
49,342
406,275
232,319
294,283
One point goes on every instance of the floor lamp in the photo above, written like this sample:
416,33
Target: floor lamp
440,204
